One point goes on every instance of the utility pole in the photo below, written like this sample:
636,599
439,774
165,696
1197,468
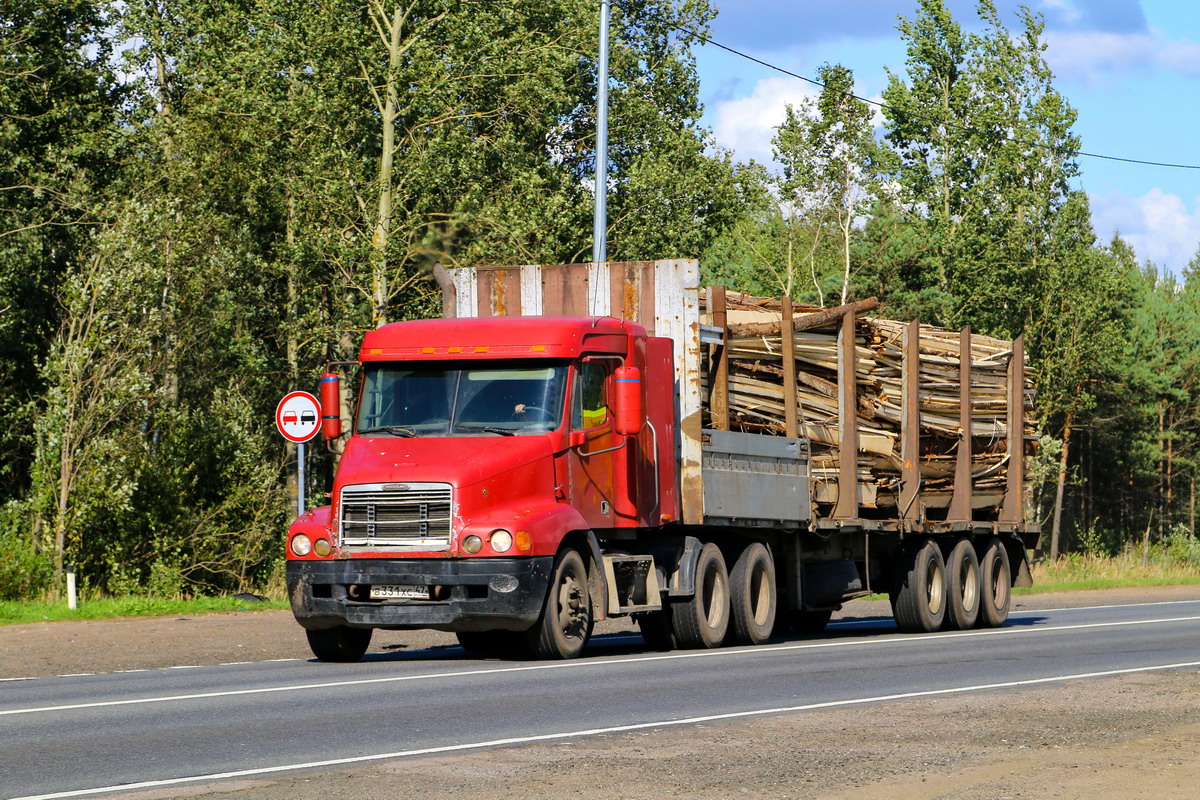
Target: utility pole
600,215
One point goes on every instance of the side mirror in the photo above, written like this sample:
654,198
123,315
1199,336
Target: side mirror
331,406
629,415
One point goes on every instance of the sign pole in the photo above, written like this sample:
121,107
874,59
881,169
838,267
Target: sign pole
297,418
299,479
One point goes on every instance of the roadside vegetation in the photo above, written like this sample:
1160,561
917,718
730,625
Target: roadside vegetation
19,611
203,202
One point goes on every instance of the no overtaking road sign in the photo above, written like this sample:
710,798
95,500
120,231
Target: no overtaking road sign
298,417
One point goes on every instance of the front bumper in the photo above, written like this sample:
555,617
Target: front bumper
474,594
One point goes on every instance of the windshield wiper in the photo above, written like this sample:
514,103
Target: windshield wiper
489,429
394,430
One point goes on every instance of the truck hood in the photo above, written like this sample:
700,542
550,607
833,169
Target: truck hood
458,461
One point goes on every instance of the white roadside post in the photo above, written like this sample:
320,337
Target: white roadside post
298,419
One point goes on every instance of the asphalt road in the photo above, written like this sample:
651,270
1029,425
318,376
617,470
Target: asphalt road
102,734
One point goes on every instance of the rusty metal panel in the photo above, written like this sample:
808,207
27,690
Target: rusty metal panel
910,426
554,290
847,501
1013,510
499,292
960,501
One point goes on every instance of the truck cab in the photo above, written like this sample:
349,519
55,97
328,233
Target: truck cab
485,455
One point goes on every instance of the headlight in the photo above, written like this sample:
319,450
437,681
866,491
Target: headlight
501,540
301,545
472,544
322,547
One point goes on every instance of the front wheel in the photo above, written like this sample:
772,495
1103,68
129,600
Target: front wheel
339,644
565,624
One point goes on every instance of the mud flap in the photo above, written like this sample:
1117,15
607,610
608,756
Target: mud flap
597,580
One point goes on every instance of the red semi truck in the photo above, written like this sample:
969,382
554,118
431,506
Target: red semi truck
558,450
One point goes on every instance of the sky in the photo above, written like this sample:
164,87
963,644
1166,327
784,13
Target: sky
1131,68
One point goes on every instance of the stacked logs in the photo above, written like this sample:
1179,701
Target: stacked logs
755,376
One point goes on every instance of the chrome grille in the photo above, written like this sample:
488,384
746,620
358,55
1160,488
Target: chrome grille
396,515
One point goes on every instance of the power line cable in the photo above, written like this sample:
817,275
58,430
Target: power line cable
704,39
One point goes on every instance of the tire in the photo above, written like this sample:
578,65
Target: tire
340,644
919,603
995,579
565,624
493,643
963,587
752,595
702,620
656,629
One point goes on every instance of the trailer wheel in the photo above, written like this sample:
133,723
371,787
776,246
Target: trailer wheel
753,593
496,643
962,587
565,624
656,629
341,644
919,604
995,578
702,620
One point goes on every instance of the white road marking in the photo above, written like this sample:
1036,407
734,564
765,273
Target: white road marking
598,663
878,618
547,737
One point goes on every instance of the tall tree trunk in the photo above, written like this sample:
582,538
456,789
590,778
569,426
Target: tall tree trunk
383,226
1060,490
1161,494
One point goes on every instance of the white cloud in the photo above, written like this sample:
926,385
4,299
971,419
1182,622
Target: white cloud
1160,226
1086,55
747,124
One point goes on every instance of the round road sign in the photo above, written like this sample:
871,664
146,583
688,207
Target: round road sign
298,416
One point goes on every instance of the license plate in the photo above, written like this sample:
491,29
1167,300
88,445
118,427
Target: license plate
399,592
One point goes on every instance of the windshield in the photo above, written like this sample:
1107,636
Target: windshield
443,399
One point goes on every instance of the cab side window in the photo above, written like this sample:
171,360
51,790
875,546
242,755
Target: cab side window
590,402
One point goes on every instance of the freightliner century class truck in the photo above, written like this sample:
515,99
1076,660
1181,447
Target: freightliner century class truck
570,443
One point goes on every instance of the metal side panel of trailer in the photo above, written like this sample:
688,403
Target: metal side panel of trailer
752,480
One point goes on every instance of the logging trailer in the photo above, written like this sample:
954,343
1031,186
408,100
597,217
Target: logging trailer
571,443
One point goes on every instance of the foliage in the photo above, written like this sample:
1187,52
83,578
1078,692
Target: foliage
202,203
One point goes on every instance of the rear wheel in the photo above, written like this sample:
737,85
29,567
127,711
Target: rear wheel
995,578
919,602
340,644
753,593
962,587
702,620
565,624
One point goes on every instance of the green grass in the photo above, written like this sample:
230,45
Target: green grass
14,612
1076,572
